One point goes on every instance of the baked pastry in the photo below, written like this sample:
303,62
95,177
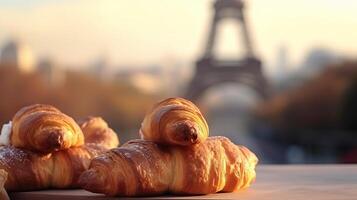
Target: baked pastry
28,170
143,168
174,121
44,128
37,165
97,131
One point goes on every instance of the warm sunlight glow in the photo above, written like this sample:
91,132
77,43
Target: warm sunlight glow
148,31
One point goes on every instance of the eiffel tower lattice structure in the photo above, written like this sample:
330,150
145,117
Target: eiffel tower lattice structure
210,71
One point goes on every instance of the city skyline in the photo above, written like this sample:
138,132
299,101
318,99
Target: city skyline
76,33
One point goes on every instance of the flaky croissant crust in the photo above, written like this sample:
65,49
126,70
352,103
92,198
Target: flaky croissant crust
28,170
97,131
44,128
174,121
142,168
47,148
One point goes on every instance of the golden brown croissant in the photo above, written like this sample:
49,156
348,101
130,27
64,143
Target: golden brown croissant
141,168
44,128
52,153
28,170
96,130
174,121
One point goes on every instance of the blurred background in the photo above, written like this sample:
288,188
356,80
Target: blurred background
277,76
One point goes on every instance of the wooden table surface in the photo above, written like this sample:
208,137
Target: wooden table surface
288,182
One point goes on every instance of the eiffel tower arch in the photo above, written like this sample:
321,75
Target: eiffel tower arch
211,71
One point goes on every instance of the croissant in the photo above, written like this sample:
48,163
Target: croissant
28,170
174,121
44,128
142,168
96,130
37,165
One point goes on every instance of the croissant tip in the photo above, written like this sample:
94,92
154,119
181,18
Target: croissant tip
89,180
83,180
186,132
51,140
56,139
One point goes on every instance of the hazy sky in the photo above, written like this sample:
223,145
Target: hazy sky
149,31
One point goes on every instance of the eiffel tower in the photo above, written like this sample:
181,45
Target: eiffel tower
210,71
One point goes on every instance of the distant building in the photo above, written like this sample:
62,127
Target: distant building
319,58
314,62
282,61
100,68
148,79
18,55
51,73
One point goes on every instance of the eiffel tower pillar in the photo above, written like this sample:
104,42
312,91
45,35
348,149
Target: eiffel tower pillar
211,71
